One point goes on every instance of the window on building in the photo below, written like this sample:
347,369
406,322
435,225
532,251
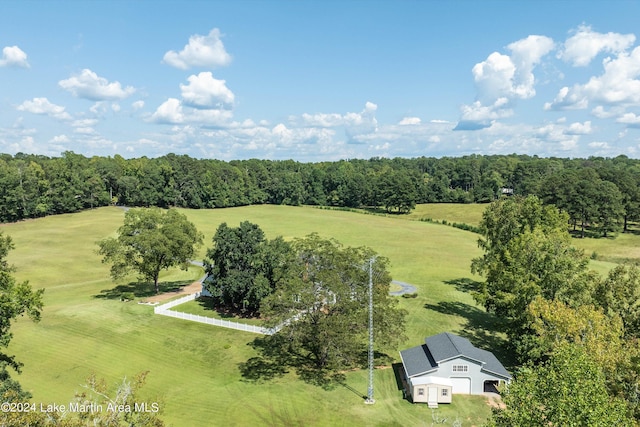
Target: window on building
445,392
459,368
420,392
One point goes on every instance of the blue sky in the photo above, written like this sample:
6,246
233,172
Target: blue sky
320,80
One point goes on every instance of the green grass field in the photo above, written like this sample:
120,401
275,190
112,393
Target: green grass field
193,367
452,212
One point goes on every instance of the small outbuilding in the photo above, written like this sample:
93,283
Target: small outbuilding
448,364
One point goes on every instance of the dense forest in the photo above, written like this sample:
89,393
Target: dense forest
601,193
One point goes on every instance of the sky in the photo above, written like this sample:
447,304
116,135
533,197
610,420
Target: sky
320,80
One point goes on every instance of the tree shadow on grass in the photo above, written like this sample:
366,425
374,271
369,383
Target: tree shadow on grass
481,328
464,284
275,359
224,312
141,289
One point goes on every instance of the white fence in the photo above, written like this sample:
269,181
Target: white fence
164,310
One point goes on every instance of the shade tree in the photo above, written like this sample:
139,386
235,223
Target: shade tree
149,241
243,267
322,307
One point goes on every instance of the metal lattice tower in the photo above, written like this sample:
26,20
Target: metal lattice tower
370,400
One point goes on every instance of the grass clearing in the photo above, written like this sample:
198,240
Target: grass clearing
194,367
205,307
451,212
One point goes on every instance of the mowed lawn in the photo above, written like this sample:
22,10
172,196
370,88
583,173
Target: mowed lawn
452,212
194,367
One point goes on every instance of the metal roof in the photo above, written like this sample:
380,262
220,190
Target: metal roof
446,346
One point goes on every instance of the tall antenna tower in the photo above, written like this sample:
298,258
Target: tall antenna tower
370,400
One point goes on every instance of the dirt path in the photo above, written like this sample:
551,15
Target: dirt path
187,290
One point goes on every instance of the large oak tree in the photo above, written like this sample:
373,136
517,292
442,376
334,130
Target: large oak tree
322,307
149,241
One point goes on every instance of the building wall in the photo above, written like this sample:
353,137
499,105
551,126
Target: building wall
424,397
473,372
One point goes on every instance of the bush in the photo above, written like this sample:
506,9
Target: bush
413,295
127,296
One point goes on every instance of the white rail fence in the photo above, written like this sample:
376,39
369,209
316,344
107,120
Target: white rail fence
164,311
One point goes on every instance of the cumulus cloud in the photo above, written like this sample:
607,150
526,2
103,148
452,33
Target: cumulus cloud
599,144
629,119
13,56
410,121
501,79
618,85
579,128
586,44
477,116
204,91
354,123
169,112
511,76
89,85
84,122
525,55
60,139
44,107
172,111
138,105
201,51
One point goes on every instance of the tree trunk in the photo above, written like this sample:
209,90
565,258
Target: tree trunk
624,230
155,282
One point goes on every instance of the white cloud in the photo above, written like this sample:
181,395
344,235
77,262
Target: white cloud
89,85
201,51
138,105
410,121
619,85
579,128
13,56
511,76
586,44
59,139
501,79
85,130
169,112
353,123
493,77
172,111
204,91
525,55
321,119
43,106
84,122
567,99
597,144
629,119
601,113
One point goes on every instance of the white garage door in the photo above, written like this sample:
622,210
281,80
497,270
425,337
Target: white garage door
461,385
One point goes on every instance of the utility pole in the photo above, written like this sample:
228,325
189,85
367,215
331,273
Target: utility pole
370,400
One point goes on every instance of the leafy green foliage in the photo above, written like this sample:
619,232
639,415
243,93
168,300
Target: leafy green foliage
243,267
556,324
16,299
528,254
97,405
149,241
619,294
568,390
322,308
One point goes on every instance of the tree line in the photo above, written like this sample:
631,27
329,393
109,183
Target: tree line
599,194
575,334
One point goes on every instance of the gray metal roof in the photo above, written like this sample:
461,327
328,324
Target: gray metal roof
417,360
446,346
